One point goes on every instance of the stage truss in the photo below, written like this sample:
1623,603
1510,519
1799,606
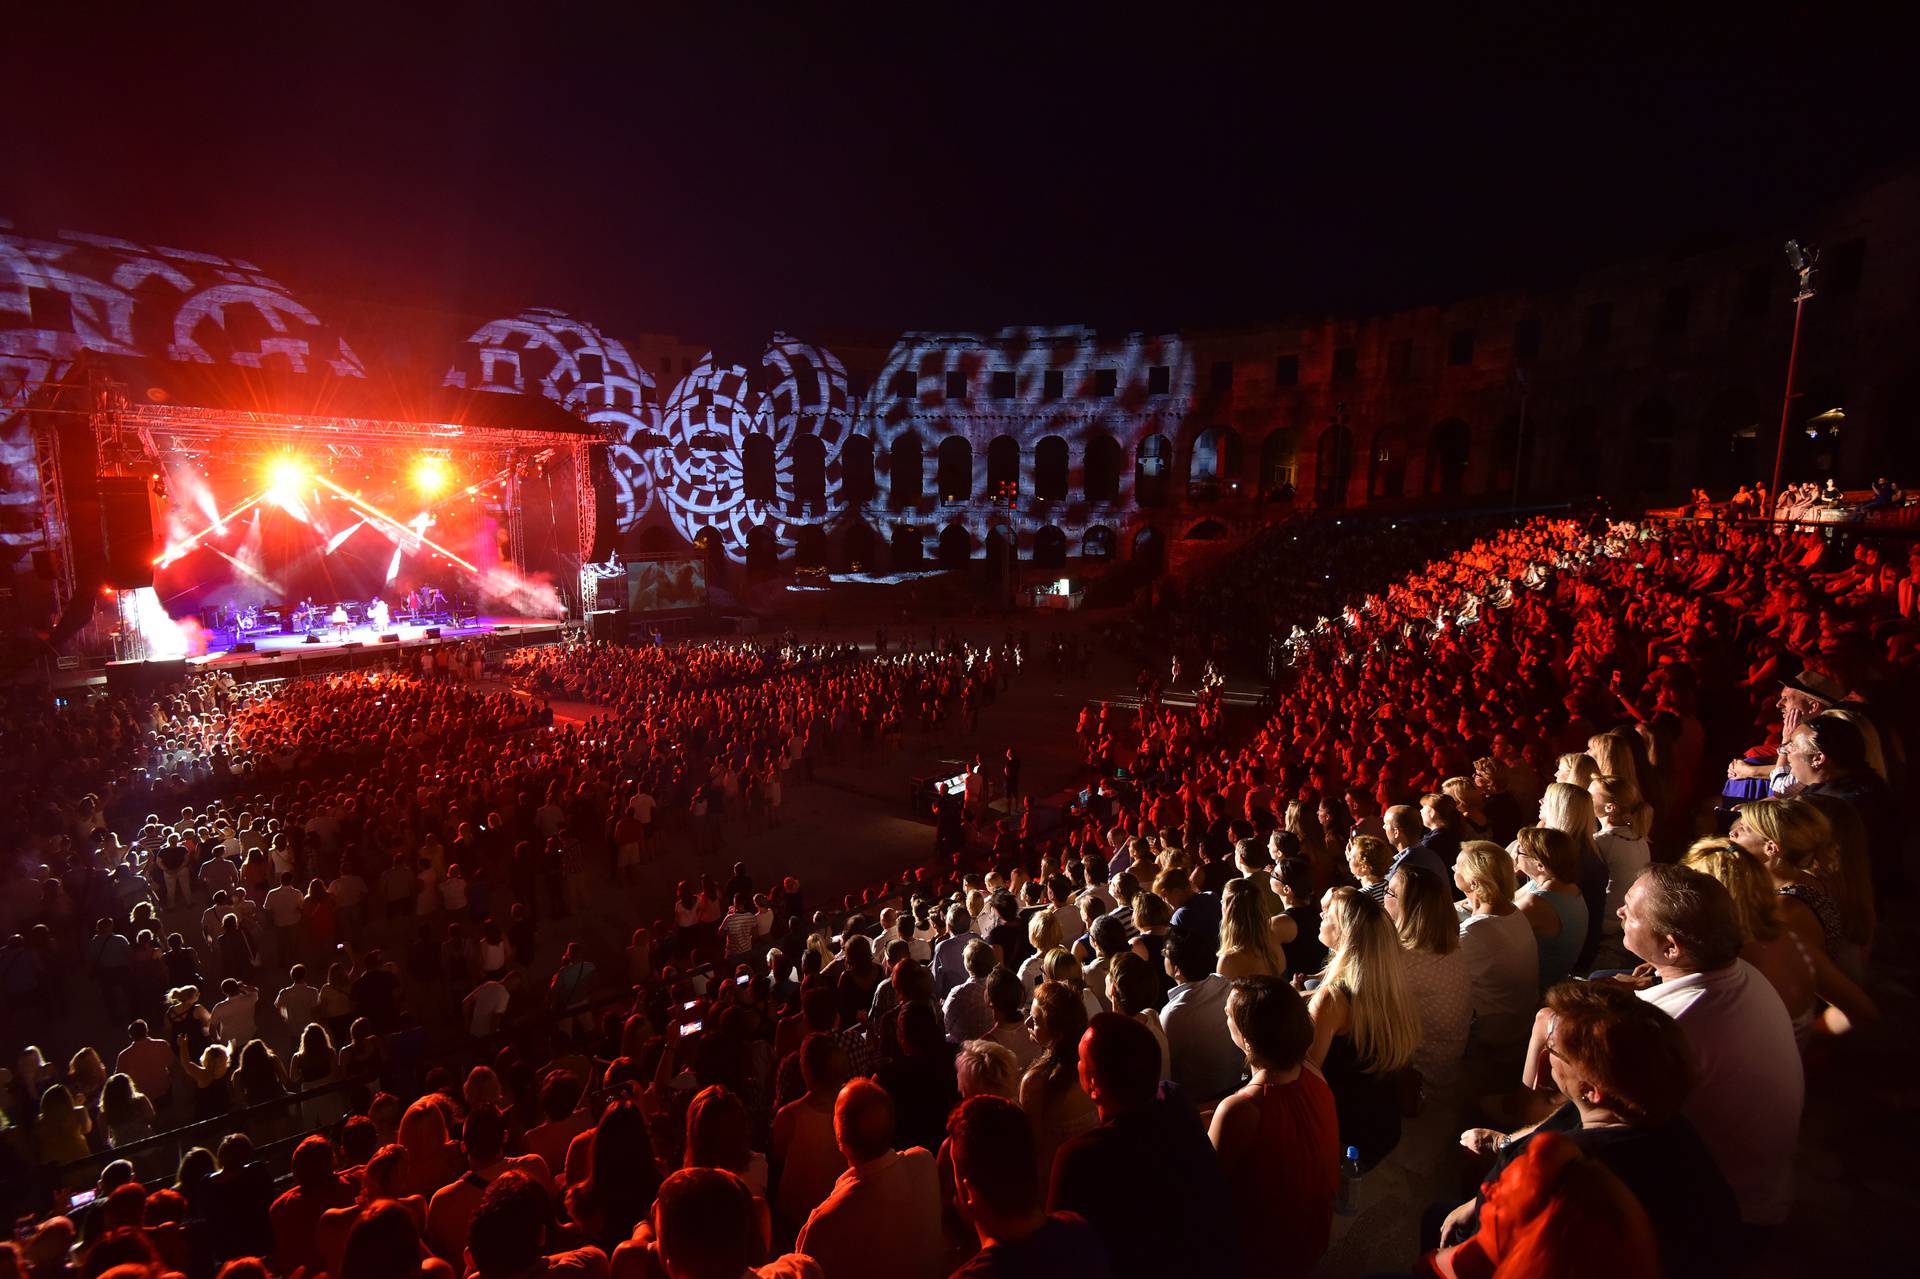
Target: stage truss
129,433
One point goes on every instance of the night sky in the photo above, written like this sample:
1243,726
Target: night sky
839,169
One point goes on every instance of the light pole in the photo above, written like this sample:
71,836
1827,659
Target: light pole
1803,263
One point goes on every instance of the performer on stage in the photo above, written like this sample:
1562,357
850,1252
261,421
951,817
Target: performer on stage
378,614
339,619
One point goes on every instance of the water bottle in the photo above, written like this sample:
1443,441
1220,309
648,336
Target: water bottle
1346,1200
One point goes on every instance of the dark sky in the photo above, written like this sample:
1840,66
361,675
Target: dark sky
834,168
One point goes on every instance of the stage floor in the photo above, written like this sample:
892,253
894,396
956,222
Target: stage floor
278,648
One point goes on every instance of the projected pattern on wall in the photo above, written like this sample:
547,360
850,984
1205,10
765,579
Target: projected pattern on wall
715,421
62,297
547,352
757,456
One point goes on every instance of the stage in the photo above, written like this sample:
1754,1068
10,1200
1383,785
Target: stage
265,648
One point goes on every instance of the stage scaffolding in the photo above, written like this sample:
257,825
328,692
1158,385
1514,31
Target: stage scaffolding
125,427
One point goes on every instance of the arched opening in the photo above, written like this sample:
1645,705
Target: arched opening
1513,458
907,555
1207,531
757,467
955,475
856,470
1097,543
708,540
1387,464
1003,469
763,552
1100,478
1277,468
1448,450
858,549
956,546
1153,471
1002,547
1731,451
809,473
1814,444
810,546
1150,549
1050,547
1651,433
1216,460
1332,466
906,482
1050,469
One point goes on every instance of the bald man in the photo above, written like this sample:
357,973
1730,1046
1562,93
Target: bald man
882,1220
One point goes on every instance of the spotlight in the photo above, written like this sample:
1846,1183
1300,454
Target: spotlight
430,476
285,476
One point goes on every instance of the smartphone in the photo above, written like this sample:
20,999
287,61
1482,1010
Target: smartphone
689,1028
690,1005
81,1198
838,938
743,979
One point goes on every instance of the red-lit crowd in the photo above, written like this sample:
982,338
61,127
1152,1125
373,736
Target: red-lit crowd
1573,837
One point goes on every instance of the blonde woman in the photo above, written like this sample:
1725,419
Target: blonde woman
1366,1028
1251,941
1576,768
1551,900
1439,978
1368,858
1614,756
1791,838
1566,807
1502,957
1043,934
1624,851
1802,974
1059,965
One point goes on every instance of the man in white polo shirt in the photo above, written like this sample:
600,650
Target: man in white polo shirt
1747,1103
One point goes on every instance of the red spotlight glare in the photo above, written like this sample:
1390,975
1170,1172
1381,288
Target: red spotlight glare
430,476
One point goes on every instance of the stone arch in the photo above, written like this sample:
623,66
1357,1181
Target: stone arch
1097,543
763,550
1050,547
906,552
1050,469
1332,466
906,477
956,546
1387,464
1003,467
954,473
757,467
859,548
1100,470
1150,549
1276,463
809,473
1449,450
856,470
1153,471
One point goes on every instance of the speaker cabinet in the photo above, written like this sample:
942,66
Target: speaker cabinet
126,526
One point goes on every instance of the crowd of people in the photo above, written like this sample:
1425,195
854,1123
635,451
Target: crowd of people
1478,860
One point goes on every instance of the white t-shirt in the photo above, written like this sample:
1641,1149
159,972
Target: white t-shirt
641,806
1751,1088
490,1000
1505,962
